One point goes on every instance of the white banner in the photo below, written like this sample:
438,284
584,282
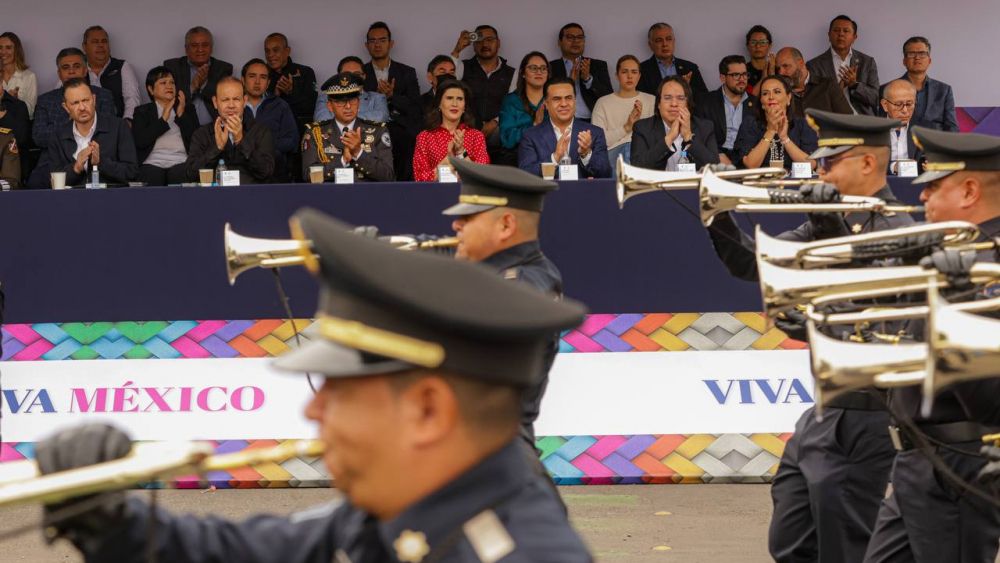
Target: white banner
244,399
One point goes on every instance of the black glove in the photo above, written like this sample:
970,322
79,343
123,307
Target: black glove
84,445
367,231
953,263
820,193
793,323
990,474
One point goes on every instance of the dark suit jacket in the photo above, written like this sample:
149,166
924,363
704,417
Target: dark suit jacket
710,107
118,163
822,94
539,142
600,86
404,105
147,126
253,157
938,110
182,78
864,94
650,150
649,79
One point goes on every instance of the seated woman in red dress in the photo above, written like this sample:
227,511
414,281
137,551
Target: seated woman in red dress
449,132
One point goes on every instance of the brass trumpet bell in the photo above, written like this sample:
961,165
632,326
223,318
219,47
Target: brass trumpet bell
841,250
245,253
718,195
633,180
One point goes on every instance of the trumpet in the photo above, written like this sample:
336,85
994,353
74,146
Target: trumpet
20,482
633,180
960,347
784,288
718,195
918,240
245,253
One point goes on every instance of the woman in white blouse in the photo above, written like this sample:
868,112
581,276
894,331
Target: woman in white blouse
14,74
616,113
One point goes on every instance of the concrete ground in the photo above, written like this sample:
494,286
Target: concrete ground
689,523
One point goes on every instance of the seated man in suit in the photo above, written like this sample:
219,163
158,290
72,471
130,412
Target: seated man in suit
854,71
289,80
935,101
272,112
589,75
726,106
198,72
242,143
91,140
899,97
561,137
673,133
663,63
811,91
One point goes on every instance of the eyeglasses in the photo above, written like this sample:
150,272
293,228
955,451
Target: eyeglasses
827,162
669,98
758,42
378,41
917,54
345,103
490,39
901,105
568,37
737,75
536,68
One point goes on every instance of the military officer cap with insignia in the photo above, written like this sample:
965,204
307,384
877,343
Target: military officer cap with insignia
342,86
485,186
840,132
947,153
384,311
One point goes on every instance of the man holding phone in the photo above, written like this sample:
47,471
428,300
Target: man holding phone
489,77
242,143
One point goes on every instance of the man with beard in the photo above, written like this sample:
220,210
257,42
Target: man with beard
727,105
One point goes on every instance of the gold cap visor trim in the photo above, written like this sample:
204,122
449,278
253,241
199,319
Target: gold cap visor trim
840,142
381,342
944,166
482,200
309,259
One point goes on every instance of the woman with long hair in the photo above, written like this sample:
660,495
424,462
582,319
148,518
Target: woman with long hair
618,112
773,136
17,79
525,106
449,132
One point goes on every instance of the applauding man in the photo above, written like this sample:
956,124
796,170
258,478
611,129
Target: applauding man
562,139
240,142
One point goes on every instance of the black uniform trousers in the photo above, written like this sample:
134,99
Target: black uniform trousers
828,485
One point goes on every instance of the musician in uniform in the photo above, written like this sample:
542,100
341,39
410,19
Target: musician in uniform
10,160
833,472
928,516
424,358
496,222
347,141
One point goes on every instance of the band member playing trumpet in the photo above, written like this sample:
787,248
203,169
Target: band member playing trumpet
928,517
833,472
425,359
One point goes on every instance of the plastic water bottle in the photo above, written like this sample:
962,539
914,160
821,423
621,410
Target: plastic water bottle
219,169
565,160
683,159
95,178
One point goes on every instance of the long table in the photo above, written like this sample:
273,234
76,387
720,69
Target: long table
156,252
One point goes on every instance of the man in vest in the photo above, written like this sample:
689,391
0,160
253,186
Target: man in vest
108,72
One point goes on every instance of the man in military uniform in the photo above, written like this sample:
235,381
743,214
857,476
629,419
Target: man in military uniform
496,222
929,517
833,472
10,160
430,354
347,141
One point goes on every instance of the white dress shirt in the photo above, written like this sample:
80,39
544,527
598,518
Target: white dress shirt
899,146
569,131
839,63
82,141
168,150
26,84
130,87
678,145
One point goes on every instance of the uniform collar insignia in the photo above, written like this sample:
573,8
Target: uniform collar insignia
411,547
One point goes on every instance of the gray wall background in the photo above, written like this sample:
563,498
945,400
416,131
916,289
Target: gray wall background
323,31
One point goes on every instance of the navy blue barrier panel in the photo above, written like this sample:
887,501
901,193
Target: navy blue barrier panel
156,253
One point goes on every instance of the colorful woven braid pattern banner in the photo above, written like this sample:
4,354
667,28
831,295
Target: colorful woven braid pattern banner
697,458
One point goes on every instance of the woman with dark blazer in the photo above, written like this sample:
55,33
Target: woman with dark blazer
659,142
773,133
162,130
